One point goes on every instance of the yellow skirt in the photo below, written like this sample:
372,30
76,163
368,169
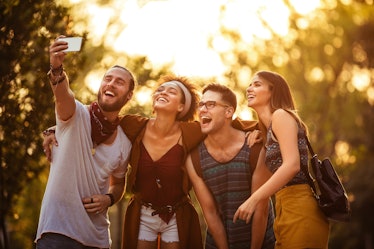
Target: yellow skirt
299,222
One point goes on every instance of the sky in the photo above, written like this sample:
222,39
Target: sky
177,31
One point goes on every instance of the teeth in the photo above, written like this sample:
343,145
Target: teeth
206,120
109,93
162,99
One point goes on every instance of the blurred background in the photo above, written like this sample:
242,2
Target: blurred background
324,48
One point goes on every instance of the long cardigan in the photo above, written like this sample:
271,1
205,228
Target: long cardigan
189,230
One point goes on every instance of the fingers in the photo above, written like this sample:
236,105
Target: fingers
56,52
54,141
248,219
95,204
241,214
56,48
47,151
48,141
236,216
254,137
48,154
58,44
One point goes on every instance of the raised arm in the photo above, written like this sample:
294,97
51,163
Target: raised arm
65,103
208,205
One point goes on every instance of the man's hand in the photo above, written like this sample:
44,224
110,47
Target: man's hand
56,56
48,142
96,203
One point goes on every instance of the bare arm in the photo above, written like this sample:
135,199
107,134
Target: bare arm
99,203
117,188
285,127
65,103
260,212
259,224
260,216
208,206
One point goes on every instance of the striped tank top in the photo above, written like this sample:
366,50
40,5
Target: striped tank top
230,185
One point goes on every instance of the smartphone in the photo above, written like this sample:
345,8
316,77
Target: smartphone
74,43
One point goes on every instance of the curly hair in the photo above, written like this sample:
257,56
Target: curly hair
195,97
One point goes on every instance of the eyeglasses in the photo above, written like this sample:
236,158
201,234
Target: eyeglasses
210,104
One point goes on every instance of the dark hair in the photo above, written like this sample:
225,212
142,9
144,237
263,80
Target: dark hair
227,95
190,115
281,96
132,78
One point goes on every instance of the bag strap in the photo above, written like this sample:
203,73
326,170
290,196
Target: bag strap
309,174
311,151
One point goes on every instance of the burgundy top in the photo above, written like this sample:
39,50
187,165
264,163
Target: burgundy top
159,182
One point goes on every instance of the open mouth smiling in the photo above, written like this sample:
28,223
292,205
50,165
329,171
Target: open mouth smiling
250,96
109,93
205,120
162,99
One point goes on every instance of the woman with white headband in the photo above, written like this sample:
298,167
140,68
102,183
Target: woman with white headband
158,178
160,206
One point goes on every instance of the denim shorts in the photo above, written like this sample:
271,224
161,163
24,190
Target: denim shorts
151,226
59,241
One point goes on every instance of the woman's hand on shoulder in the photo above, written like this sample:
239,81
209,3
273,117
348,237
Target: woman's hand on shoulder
49,139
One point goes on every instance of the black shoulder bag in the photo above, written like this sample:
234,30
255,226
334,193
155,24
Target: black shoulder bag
328,189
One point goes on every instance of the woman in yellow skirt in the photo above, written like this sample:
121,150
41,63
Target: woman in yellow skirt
299,222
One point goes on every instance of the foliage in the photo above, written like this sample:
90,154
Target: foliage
321,57
25,33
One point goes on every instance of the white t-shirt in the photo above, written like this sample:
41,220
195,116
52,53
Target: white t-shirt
76,173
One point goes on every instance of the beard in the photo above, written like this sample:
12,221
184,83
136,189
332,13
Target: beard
113,107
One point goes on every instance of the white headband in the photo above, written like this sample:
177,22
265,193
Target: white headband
187,97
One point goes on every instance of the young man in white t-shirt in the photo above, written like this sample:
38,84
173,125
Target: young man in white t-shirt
87,173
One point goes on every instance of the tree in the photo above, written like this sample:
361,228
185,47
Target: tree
25,31
328,59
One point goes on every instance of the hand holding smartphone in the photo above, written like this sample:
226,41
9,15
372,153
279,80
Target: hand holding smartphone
74,43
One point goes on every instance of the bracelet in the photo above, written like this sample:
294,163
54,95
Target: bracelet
56,79
49,131
111,199
56,71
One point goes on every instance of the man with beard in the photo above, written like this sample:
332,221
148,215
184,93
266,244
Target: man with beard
221,171
87,174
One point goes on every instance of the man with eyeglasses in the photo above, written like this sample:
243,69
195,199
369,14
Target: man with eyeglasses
221,168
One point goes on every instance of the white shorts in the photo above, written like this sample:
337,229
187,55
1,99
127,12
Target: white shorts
150,226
